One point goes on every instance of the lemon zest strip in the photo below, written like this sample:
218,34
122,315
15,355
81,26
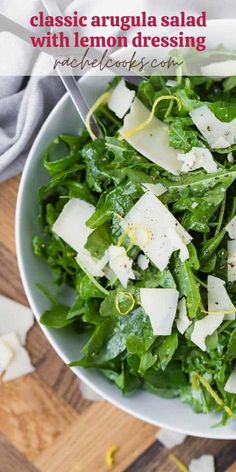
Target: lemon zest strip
102,100
212,392
128,296
109,456
179,464
145,123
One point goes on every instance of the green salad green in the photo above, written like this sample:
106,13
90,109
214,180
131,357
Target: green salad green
109,174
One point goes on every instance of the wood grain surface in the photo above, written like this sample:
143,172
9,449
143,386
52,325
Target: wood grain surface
45,423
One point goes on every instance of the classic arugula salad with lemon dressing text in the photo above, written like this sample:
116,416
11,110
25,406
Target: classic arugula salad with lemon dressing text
142,225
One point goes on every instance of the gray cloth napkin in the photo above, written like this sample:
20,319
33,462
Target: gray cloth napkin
25,103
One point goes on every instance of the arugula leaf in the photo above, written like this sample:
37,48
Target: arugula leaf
187,286
99,240
56,317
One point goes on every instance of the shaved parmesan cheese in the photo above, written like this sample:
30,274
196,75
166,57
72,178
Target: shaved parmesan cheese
71,223
230,385
91,264
121,99
6,355
231,228
15,317
157,189
152,141
11,340
143,262
155,230
231,262
170,438
205,327
220,308
19,365
218,134
196,158
182,321
230,157
171,83
120,264
218,299
160,306
204,463
219,69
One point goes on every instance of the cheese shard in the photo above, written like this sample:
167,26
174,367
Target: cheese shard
121,99
152,141
230,385
15,317
220,69
6,355
218,299
197,158
231,228
205,327
182,322
120,264
231,261
171,83
155,230
170,438
19,365
160,305
71,223
217,133
157,189
205,463
143,262
91,264
11,340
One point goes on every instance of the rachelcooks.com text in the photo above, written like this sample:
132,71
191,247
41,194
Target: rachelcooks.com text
133,63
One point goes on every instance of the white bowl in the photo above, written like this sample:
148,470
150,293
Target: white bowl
170,414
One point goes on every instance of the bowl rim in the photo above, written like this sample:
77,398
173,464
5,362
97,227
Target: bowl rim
79,372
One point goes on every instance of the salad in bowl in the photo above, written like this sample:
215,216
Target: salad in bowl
141,224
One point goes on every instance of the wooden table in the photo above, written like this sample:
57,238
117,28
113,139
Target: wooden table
46,425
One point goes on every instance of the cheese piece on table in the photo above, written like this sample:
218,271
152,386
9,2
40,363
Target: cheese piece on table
15,317
218,299
182,322
231,228
204,463
121,99
197,158
152,227
6,355
217,133
19,365
169,438
152,141
120,264
160,305
11,340
231,261
230,385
